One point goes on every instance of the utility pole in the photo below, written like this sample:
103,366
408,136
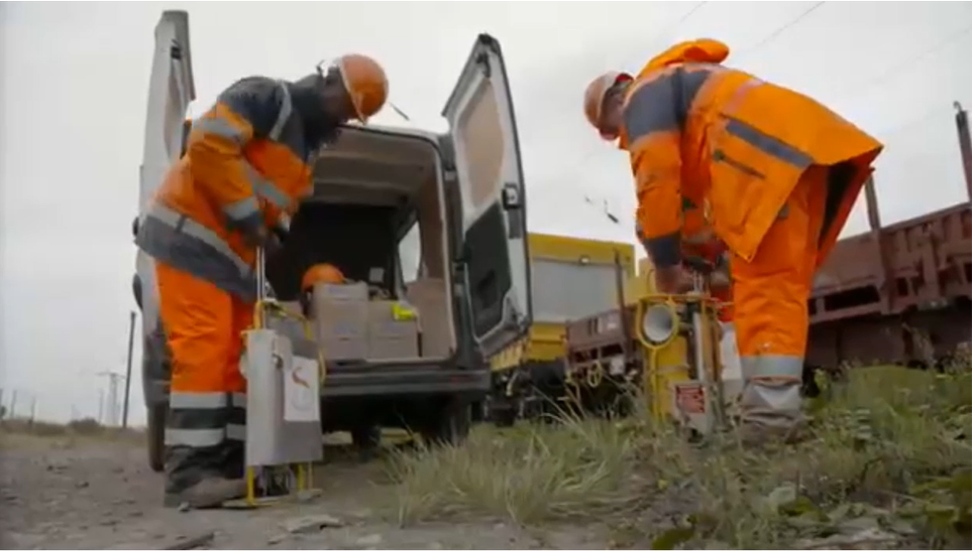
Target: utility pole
13,405
101,405
965,144
128,367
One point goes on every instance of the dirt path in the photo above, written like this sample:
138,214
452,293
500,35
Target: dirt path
57,493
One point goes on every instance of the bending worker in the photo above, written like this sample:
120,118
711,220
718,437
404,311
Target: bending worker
244,171
776,174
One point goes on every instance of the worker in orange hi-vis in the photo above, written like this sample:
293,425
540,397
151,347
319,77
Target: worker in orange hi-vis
247,164
776,174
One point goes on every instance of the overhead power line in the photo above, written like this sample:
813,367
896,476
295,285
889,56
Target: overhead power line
780,30
574,167
907,65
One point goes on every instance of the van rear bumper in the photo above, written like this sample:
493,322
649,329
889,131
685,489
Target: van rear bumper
402,380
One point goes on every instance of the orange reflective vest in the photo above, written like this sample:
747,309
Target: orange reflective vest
737,145
247,164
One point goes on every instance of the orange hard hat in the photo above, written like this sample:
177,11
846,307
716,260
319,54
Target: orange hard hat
321,273
594,98
366,83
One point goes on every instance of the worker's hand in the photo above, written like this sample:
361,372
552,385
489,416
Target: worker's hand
720,280
673,280
281,233
256,237
272,244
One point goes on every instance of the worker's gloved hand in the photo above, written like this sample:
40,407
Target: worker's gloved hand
274,243
281,233
720,280
255,236
673,280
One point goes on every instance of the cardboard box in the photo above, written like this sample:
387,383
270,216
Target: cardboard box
390,338
340,316
428,296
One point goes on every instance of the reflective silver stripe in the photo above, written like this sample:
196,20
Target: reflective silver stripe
285,108
771,365
768,144
219,126
764,142
194,438
244,208
235,432
266,189
197,400
194,229
239,400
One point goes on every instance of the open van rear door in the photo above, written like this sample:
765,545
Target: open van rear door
490,179
171,89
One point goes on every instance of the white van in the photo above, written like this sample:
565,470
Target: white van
455,202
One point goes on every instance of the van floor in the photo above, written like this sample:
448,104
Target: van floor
96,492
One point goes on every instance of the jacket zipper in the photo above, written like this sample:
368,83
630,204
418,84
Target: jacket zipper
720,157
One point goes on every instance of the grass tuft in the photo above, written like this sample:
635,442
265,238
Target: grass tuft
888,461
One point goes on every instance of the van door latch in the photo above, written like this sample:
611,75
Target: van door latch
511,196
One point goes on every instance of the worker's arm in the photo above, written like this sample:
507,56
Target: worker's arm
654,136
245,111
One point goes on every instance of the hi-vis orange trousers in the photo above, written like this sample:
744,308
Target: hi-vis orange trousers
770,297
206,426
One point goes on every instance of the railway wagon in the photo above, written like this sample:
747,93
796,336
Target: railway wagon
901,293
571,278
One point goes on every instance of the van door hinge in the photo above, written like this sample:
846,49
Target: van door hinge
483,61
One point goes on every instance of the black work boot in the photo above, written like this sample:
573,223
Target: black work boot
197,477
210,491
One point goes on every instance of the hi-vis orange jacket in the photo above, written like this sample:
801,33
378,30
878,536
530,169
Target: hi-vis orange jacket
734,145
247,163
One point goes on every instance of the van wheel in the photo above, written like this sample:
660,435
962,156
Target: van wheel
504,417
366,440
449,424
155,436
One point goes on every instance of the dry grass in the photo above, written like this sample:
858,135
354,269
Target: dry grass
81,429
890,457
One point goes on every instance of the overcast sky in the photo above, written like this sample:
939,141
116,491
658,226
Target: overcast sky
73,87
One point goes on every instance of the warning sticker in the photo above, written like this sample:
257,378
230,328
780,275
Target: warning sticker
690,398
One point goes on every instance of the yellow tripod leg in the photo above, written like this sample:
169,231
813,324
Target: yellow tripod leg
250,487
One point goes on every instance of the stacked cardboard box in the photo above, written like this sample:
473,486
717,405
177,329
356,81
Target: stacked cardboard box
435,319
391,336
340,314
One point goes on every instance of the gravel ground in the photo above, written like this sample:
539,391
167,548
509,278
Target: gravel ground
58,492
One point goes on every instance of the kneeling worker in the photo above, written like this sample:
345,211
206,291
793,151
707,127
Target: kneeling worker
244,171
778,173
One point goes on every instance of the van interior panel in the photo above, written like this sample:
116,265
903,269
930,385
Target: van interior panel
370,188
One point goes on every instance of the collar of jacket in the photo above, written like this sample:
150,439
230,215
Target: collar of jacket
318,126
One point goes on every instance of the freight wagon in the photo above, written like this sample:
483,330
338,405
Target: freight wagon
901,293
571,278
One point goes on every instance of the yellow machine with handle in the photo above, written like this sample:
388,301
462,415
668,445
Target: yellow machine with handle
682,367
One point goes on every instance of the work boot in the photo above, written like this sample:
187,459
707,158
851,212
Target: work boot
207,493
